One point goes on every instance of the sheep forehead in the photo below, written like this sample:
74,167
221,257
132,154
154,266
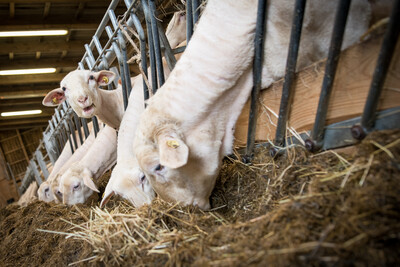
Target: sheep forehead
75,78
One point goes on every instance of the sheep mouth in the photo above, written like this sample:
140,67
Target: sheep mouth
88,109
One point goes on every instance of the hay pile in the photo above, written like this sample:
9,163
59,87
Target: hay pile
300,209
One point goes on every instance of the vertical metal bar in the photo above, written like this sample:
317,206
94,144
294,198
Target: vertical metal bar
90,56
143,56
121,67
151,46
317,134
124,53
189,21
85,127
257,71
290,72
78,126
385,55
168,53
81,66
67,130
156,42
95,125
42,165
99,50
36,172
124,56
195,11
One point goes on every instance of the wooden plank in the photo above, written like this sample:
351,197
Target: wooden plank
349,93
29,79
48,47
12,10
46,10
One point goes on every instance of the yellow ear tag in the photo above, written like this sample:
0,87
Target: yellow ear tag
173,143
54,100
105,79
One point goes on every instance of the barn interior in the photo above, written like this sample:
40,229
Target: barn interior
299,206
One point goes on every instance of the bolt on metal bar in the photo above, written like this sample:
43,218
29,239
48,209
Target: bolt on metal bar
189,21
385,55
115,47
257,71
317,134
153,72
195,11
156,43
287,91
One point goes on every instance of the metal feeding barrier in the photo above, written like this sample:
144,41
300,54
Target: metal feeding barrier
339,134
65,122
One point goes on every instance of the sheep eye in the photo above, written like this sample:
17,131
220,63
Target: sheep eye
59,193
91,77
76,187
159,167
46,190
63,88
142,178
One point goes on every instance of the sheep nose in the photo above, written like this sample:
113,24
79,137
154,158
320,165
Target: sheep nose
82,99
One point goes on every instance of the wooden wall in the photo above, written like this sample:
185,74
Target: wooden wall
16,149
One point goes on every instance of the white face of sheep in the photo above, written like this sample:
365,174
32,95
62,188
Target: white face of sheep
76,185
131,184
80,88
176,29
44,192
175,176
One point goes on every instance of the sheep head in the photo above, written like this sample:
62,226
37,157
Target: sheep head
80,88
76,185
128,181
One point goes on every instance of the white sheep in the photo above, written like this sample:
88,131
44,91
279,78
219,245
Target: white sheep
76,183
188,125
127,180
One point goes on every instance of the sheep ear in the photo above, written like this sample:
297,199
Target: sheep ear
54,98
174,152
105,77
108,193
89,183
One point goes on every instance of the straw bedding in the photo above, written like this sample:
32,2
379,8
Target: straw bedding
326,209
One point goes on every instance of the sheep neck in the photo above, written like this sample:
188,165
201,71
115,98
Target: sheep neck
112,108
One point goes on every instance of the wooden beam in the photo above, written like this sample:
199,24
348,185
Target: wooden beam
349,92
24,101
48,47
23,126
29,79
46,10
51,22
29,121
40,63
12,10
27,90
80,10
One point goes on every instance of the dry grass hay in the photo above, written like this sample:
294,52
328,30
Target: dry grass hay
326,209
